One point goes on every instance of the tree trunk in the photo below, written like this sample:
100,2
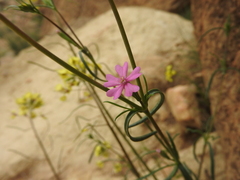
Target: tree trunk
220,49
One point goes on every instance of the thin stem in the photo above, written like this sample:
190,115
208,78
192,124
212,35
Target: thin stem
127,141
166,143
126,43
59,61
69,27
156,135
201,161
43,148
88,53
62,30
181,167
99,103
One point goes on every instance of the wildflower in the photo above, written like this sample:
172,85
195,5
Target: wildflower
98,150
107,145
14,114
122,83
70,79
169,73
27,103
102,149
100,164
158,151
84,130
117,168
63,98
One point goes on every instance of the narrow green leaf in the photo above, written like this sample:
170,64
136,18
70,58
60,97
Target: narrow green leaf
91,155
198,131
145,82
65,37
153,172
185,172
49,4
126,128
14,7
211,153
94,74
190,171
154,110
118,105
202,36
75,110
173,145
120,114
173,173
165,155
194,150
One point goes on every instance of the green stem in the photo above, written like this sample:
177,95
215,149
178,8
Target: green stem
99,104
202,159
69,27
127,141
169,148
79,46
88,53
165,141
59,61
156,135
126,43
184,171
43,148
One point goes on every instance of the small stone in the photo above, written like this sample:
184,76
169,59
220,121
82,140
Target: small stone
183,104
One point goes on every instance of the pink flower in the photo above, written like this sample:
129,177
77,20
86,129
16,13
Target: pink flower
122,82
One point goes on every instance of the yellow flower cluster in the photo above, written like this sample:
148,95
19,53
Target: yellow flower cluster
102,149
117,167
27,103
100,164
169,73
71,79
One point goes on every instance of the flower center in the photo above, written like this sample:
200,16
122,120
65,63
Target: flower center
123,80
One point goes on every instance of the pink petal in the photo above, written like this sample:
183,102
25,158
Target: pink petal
115,92
122,71
134,74
112,81
110,77
111,84
130,88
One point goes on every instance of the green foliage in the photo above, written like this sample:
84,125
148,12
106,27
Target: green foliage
49,4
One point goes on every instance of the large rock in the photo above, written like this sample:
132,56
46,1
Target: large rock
151,33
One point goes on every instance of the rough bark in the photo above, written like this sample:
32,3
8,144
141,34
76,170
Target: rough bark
214,48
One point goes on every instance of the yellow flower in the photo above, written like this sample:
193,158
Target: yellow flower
117,167
14,114
107,145
86,96
169,73
76,63
63,98
22,112
63,89
59,87
101,150
28,102
98,150
100,164
84,129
